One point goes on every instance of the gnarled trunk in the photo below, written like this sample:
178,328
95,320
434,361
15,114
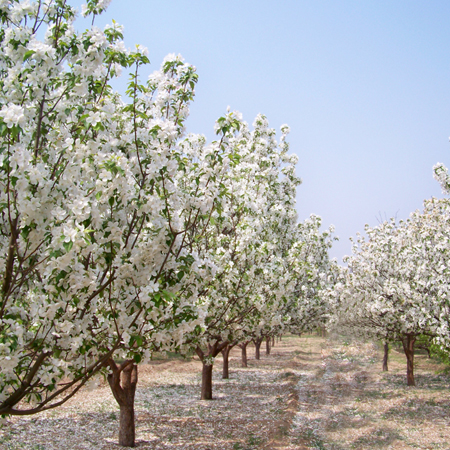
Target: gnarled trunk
207,369
123,381
385,357
408,347
257,347
243,347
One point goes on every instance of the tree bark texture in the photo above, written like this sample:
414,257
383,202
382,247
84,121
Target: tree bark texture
243,347
206,381
273,341
225,368
207,369
268,345
408,347
257,348
123,381
385,357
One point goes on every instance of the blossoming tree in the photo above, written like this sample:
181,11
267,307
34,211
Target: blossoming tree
396,285
120,233
299,275
247,238
311,273
101,203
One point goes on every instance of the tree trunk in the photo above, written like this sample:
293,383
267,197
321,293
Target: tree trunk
244,353
225,354
257,348
408,347
273,341
127,432
385,357
268,345
207,370
206,381
123,381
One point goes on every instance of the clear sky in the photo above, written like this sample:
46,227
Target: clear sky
364,86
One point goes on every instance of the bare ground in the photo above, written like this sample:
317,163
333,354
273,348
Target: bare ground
310,393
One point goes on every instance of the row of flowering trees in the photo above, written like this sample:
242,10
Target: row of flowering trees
396,286
121,234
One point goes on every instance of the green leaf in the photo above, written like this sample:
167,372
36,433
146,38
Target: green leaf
28,55
61,275
15,131
68,246
180,275
168,295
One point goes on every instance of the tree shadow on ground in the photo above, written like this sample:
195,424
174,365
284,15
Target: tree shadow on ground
382,437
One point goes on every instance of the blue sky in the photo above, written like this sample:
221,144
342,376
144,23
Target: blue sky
364,86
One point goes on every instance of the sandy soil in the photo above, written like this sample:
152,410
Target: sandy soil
347,402
310,393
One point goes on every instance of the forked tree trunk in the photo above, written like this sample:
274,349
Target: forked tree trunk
408,347
243,347
385,357
257,348
123,381
268,345
207,369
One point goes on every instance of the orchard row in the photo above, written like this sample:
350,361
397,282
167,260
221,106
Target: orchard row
121,234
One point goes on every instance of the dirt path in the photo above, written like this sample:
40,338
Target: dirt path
308,394
347,402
